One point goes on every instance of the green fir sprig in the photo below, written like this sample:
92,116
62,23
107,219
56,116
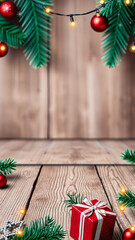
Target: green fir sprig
41,229
129,156
127,199
73,199
7,166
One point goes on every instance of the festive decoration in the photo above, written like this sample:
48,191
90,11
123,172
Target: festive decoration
10,229
99,23
3,49
90,218
129,156
3,181
8,9
128,2
22,211
129,234
74,199
7,166
126,199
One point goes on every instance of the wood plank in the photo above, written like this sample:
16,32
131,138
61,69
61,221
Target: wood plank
53,185
114,149
17,193
75,152
130,144
24,152
23,98
87,99
113,179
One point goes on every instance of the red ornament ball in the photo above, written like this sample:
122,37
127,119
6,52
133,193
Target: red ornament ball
3,49
128,234
8,9
99,23
3,180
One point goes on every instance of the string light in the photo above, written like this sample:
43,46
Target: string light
19,233
102,2
72,22
132,228
123,190
48,10
128,2
22,211
122,208
132,47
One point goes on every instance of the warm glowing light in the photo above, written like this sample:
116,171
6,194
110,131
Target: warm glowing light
3,48
72,21
102,2
19,233
122,208
123,190
22,211
132,48
132,228
48,10
128,2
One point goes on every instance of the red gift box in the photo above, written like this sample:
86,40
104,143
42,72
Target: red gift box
92,220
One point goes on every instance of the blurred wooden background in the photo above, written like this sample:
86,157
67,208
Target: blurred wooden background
76,96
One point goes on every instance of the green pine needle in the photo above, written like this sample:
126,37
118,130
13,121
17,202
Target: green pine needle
7,166
73,199
129,155
42,230
36,27
11,33
127,199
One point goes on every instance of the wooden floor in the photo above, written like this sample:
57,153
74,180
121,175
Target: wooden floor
48,170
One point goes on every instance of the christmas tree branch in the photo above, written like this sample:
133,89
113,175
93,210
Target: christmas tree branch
36,26
129,155
127,199
42,229
11,34
7,166
117,34
73,199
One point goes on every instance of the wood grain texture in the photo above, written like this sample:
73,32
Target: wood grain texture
17,193
53,185
87,99
24,152
23,98
113,179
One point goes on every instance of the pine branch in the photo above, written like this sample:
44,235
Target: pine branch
42,230
7,166
36,26
129,156
117,34
73,199
11,34
127,199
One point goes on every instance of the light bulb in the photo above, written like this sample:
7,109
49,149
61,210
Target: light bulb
123,190
48,10
19,233
22,211
102,2
132,228
132,47
128,2
122,208
72,22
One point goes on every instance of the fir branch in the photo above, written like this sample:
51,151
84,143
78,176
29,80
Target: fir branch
129,155
117,34
127,199
36,26
73,199
42,230
11,34
7,166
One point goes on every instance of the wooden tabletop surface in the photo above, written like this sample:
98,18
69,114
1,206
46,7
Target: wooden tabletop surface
48,170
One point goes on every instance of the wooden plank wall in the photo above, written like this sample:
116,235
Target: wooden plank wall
76,96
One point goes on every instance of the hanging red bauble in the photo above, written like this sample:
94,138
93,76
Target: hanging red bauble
99,23
3,180
129,234
3,49
8,9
